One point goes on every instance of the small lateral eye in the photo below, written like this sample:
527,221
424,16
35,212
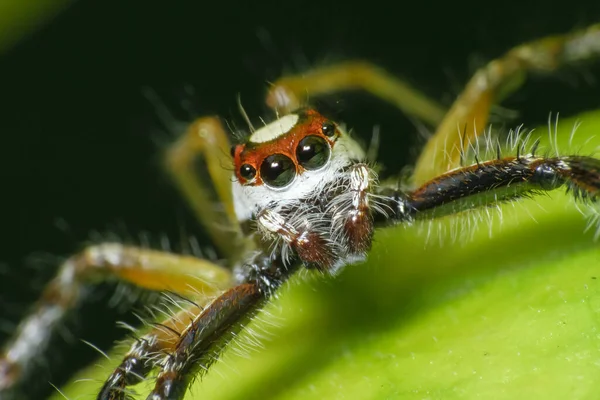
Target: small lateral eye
277,170
247,172
312,152
328,128
232,150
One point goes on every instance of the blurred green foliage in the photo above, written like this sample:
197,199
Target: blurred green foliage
21,17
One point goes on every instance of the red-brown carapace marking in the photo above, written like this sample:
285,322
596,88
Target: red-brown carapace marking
309,122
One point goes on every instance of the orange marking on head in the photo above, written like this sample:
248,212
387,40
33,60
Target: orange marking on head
310,122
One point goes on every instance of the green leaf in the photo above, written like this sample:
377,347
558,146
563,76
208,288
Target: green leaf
503,308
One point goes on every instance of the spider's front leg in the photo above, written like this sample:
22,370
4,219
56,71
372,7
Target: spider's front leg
200,344
147,352
490,182
145,268
468,116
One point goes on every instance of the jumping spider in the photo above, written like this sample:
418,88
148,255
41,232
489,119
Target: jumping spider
303,196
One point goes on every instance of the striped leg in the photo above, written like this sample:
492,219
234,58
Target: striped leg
149,269
468,116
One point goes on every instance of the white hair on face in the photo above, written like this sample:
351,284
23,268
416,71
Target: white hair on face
275,129
249,199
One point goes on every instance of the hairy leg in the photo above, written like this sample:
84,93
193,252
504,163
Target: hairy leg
468,115
200,344
148,351
298,235
205,144
490,182
292,92
145,268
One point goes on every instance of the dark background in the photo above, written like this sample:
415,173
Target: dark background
78,149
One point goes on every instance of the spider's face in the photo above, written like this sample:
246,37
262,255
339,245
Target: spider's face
289,159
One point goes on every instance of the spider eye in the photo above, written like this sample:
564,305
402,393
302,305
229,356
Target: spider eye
247,171
312,152
277,170
328,128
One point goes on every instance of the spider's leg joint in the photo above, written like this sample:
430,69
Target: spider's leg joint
546,177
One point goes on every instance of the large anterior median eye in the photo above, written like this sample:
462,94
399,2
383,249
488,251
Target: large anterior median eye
312,152
277,170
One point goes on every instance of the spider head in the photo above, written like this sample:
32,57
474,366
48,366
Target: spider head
289,159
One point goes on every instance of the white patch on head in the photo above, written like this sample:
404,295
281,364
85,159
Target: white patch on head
275,129
249,199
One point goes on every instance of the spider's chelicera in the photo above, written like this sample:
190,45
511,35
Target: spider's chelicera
303,195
